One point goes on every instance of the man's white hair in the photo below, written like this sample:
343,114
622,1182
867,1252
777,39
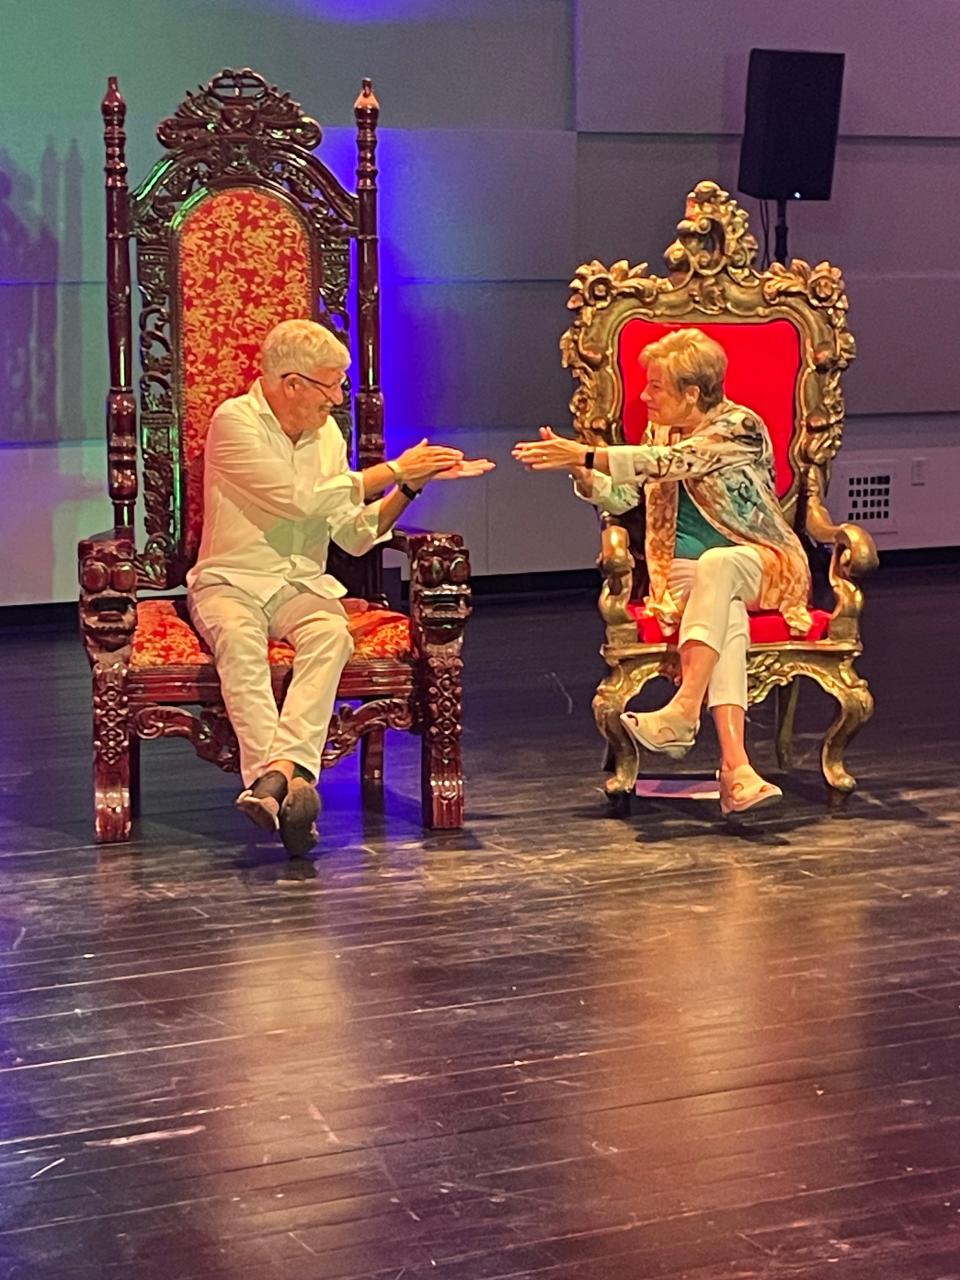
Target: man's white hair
300,346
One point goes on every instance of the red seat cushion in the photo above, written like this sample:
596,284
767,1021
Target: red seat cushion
765,628
165,636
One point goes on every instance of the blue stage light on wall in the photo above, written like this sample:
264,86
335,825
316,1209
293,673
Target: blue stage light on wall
403,325
362,12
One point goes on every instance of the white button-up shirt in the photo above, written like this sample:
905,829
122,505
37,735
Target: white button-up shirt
271,506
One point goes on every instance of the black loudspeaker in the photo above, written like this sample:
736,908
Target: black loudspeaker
790,129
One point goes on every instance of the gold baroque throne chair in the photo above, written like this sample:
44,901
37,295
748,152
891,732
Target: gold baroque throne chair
785,333
239,226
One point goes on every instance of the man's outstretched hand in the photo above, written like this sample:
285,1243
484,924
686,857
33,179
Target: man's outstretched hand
465,469
423,462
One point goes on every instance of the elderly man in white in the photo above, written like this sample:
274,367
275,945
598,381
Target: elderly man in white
277,489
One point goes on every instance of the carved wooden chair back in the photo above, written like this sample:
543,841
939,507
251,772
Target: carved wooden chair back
237,227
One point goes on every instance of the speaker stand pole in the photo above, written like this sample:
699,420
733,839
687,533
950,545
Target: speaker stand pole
780,243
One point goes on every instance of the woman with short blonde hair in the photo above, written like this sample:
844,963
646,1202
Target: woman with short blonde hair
693,360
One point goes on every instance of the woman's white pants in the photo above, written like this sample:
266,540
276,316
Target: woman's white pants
715,592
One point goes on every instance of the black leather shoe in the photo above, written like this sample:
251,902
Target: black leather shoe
261,802
298,817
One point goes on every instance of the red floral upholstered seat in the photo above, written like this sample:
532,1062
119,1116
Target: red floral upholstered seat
164,636
785,334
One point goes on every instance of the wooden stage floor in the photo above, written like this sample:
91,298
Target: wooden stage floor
553,1045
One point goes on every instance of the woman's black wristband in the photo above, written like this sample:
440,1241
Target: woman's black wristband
407,492
588,459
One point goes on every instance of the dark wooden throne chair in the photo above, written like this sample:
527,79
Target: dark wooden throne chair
237,227
785,333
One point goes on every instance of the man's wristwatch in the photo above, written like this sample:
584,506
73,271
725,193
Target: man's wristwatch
589,458
407,492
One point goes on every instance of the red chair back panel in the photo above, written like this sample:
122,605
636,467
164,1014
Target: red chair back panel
764,365
244,265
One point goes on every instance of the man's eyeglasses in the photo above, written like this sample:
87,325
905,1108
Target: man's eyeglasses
315,382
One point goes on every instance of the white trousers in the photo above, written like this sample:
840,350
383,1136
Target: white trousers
715,592
237,627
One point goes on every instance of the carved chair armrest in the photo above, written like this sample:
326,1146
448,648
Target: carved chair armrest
440,600
407,540
106,567
616,564
853,556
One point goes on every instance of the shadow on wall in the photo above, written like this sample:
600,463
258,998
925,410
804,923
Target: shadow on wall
47,499
40,270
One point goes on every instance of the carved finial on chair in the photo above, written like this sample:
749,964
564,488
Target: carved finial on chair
712,236
366,99
121,406
113,103
366,112
113,109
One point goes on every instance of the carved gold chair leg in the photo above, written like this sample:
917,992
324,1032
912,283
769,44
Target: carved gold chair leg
855,700
624,682
786,713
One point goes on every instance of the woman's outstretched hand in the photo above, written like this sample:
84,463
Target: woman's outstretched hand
550,453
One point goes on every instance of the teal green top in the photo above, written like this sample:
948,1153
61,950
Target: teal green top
695,533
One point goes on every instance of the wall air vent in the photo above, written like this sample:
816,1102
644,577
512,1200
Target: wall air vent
866,493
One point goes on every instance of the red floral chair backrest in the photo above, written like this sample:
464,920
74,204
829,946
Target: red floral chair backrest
239,226
244,265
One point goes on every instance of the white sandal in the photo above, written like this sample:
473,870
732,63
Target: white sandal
664,732
742,789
